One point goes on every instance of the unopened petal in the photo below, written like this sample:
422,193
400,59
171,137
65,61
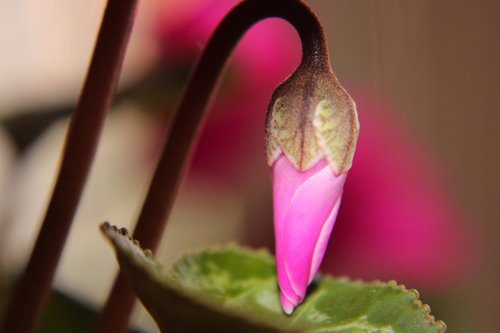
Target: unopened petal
305,208
313,205
286,180
322,242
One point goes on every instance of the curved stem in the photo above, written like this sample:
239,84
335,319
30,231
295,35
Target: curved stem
186,126
32,290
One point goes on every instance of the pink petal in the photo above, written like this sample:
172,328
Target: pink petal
322,242
306,205
286,179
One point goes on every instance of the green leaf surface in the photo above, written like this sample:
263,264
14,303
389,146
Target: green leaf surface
234,290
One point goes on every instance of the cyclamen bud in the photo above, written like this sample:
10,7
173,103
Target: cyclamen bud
311,134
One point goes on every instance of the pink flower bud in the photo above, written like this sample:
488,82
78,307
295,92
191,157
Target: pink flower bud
311,134
306,205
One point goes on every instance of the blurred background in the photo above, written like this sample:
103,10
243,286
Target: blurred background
420,203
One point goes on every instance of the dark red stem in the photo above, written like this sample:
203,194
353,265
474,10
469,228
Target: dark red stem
185,129
33,289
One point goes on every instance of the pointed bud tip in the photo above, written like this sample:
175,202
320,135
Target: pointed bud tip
286,305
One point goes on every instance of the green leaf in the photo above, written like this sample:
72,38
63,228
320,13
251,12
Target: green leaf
234,290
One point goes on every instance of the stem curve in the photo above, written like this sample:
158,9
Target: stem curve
185,129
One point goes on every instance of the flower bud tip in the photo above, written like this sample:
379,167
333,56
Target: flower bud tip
286,305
